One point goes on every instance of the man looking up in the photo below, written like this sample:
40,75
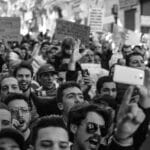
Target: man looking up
68,95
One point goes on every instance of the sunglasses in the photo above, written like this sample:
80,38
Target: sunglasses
92,127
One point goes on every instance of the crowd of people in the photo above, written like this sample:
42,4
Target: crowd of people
48,101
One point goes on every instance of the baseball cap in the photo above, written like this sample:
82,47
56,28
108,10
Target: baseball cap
46,68
13,134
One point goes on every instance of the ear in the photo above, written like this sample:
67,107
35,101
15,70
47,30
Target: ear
73,128
60,106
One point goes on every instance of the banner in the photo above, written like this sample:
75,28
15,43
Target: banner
77,31
96,19
10,28
95,71
132,38
127,3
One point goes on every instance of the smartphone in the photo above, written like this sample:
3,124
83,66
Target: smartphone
128,75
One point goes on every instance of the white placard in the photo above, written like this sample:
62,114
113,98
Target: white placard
96,19
133,38
127,3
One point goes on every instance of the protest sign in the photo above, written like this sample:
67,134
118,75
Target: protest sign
10,28
76,5
127,3
95,71
77,31
108,19
132,38
96,19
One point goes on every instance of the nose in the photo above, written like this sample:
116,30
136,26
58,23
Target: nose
78,99
110,93
10,90
50,77
55,147
98,131
20,114
23,77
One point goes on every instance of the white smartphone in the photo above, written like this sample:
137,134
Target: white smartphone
128,75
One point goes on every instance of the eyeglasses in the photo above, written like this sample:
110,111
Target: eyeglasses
23,110
92,127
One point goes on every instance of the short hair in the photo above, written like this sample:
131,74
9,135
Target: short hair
101,81
14,135
45,43
64,86
132,54
47,121
13,96
23,65
79,112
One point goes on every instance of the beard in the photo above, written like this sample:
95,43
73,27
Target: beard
24,86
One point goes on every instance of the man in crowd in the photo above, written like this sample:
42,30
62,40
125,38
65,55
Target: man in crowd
46,79
11,139
89,123
51,133
24,73
45,100
9,84
68,95
106,87
135,60
21,115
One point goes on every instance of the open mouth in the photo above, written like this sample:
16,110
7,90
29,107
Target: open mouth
21,121
94,142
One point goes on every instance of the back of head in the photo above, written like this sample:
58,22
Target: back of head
14,96
105,100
